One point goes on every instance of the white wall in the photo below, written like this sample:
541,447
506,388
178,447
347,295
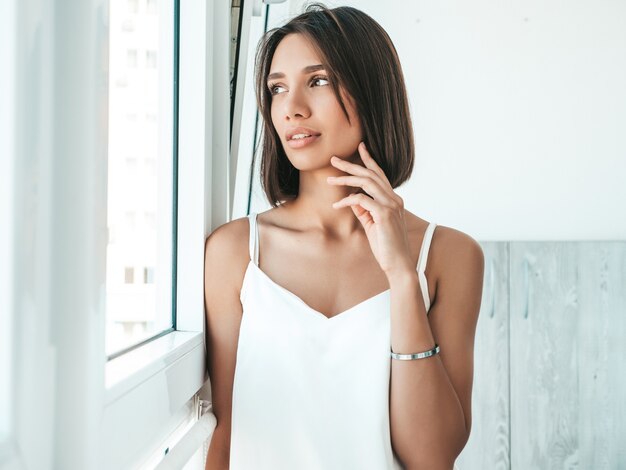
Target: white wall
519,113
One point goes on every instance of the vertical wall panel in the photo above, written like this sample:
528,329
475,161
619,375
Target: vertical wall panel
567,362
488,446
544,363
602,355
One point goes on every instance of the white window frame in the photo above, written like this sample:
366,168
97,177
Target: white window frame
156,383
72,409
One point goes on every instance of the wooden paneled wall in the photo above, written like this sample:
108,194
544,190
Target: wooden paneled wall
550,358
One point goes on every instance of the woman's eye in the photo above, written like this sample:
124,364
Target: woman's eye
273,87
314,79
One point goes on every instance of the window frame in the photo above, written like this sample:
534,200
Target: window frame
155,369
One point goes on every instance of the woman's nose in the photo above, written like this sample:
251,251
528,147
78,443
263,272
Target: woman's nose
296,104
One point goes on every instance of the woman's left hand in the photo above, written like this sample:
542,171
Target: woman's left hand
382,214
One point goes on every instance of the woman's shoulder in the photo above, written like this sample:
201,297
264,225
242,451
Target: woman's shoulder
445,234
227,248
448,244
231,235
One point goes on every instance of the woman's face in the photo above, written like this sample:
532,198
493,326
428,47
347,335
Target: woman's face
304,98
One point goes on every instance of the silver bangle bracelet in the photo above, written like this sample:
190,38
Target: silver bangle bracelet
421,355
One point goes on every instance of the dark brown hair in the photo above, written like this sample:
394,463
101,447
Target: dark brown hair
359,58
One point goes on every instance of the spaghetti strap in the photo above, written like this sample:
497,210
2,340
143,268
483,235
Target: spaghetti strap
423,258
253,237
421,263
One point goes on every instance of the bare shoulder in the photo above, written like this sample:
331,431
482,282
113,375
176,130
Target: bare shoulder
460,271
230,234
450,249
456,245
226,251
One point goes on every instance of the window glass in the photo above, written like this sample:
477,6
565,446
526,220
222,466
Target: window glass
140,173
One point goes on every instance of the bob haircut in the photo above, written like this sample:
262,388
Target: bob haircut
359,58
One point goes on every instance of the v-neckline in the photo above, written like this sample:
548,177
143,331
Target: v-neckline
298,299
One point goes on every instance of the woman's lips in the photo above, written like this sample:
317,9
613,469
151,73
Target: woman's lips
299,143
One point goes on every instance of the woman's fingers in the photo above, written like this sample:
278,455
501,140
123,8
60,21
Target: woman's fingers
371,163
362,200
378,186
356,170
370,186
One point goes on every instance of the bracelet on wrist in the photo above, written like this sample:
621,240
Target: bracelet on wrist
420,355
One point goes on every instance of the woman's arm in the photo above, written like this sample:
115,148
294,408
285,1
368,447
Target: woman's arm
222,279
430,399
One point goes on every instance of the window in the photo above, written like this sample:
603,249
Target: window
151,166
141,184
131,57
150,221
148,275
130,221
128,25
121,82
151,7
51,338
131,165
151,59
133,6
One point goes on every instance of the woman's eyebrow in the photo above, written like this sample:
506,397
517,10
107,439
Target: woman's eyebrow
307,69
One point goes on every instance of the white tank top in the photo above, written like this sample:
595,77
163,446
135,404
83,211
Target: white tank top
312,392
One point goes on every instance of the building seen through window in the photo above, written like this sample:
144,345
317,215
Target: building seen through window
140,174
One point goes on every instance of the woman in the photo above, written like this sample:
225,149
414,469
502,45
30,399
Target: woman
310,303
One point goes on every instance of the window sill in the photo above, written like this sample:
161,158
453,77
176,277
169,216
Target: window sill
126,372
155,385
